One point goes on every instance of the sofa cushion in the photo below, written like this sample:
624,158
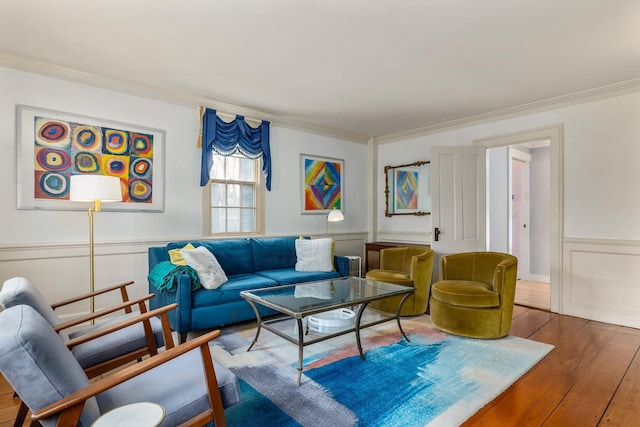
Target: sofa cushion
273,253
234,255
205,263
176,257
314,255
230,291
288,276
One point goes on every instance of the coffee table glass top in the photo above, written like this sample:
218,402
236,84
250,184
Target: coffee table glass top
315,297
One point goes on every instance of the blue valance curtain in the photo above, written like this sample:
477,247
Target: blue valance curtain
236,136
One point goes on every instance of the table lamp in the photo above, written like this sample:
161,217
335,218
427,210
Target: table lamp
96,189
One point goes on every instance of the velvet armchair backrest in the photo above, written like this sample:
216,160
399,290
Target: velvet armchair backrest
485,267
400,258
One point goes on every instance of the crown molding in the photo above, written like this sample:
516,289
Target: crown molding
47,69
589,95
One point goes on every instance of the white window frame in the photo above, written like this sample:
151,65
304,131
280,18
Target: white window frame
259,193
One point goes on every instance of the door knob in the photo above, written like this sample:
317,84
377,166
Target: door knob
436,233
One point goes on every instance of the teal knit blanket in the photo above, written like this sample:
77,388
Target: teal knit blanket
164,276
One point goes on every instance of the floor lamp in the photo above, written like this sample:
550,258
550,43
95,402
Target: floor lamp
334,216
96,189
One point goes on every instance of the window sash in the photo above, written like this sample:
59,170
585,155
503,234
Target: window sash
242,216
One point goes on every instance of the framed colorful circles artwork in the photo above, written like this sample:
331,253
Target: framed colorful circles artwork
322,184
52,146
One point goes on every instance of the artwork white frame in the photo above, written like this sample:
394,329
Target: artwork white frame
26,124
335,165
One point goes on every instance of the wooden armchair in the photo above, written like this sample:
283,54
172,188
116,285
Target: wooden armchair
192,388
99,348
119,346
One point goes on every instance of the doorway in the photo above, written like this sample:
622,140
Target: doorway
499,221
519,212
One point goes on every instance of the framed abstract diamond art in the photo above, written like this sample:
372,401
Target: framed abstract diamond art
52,146
322,184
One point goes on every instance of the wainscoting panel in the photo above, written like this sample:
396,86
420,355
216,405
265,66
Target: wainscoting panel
350,243
62,271
601,280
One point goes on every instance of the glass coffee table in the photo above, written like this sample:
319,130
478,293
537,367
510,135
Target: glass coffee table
313,298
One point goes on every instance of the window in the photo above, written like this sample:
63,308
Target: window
234,196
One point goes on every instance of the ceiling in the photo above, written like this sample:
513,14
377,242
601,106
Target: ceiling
361,68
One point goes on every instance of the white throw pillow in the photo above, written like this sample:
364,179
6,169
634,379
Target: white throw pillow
211,275
314,255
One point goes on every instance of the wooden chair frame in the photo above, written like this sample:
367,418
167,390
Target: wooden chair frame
69,408
151,349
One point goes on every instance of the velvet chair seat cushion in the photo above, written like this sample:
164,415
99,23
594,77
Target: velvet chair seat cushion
390,276
407,266
390,305
465,293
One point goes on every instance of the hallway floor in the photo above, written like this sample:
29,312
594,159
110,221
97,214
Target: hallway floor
533,294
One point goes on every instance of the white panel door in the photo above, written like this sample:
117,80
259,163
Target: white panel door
458,202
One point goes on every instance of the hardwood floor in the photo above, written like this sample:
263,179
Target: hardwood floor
590,378
533,294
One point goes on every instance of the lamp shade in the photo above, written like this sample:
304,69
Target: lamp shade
87,188
335,215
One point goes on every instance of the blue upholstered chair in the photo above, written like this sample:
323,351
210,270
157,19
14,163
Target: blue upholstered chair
95,356
96,349
191,387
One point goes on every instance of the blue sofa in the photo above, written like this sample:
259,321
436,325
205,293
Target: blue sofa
249,263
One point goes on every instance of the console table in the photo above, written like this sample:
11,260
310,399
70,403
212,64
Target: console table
372,252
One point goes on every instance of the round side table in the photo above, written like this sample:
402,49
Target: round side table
139,414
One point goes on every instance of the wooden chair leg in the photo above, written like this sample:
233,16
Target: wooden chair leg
21,415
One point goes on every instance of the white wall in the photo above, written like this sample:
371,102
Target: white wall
181,131
540,175
601,154
601,201
51,247
498,196
284,201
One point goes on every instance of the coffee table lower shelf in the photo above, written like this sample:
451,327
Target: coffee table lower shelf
302,331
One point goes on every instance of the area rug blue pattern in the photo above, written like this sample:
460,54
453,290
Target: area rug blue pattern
435,380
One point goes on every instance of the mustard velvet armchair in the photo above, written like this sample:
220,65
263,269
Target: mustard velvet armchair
475,296
409,266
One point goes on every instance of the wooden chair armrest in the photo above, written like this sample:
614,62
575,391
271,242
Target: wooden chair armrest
75,401
126,306
121,286
145,316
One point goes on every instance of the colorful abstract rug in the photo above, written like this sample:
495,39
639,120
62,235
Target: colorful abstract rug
435,380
